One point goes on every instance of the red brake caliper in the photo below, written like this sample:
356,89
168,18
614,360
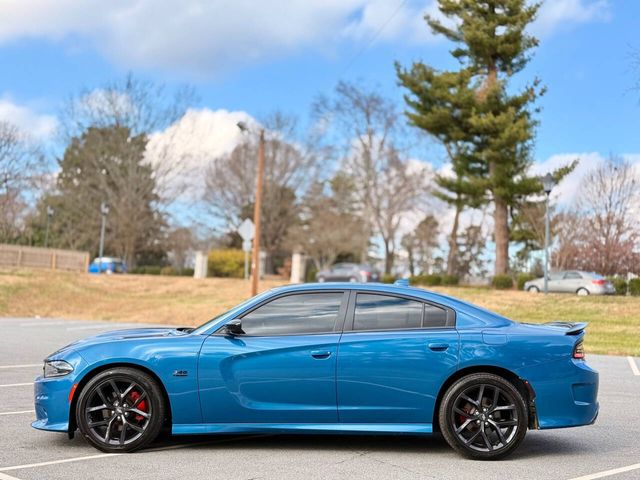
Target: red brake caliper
142,406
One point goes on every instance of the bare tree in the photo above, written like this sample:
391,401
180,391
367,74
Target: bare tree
20,169
329,226
420,245
290,167
144,108
369,128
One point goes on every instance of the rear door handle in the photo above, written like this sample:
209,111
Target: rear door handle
438,347
320,354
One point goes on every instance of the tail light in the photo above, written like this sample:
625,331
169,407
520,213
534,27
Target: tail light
578,351
599,281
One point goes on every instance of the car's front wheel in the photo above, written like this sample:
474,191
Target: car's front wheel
120,410
533,289
483,416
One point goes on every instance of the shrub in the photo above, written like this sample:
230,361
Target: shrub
524,278
620,285
168,270
388,278
634,286
226,263
502,282
428,280
186,272
146,270
450,280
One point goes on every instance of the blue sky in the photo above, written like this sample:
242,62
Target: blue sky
254,57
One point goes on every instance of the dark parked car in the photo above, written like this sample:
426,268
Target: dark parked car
349,272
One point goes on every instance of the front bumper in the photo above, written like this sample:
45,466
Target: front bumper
51,397
566,393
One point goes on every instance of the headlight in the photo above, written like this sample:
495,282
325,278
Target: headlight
56,368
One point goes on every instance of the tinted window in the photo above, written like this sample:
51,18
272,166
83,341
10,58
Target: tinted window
294,314
434,317
380,312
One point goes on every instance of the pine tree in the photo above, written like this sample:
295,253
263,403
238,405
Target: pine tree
491,127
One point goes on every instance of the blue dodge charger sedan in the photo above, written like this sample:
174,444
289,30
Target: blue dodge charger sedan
326,358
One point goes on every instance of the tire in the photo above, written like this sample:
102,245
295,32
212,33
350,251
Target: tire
133,403
473,432
533,289
582,292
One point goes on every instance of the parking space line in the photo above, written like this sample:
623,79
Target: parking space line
634,367
105,455
16,385
43,324
56,462
20,412
26,365
608,473
4,476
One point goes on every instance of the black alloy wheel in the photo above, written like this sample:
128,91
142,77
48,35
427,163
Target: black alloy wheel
120,410
483,416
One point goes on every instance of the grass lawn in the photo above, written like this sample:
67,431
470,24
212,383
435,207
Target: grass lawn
614,322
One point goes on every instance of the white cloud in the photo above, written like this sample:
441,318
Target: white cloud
186,148
205,37
35,124
561,14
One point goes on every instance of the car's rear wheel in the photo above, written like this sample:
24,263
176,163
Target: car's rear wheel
533,289
583,292
483,416
120,410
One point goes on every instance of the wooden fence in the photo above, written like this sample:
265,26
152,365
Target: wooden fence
34,257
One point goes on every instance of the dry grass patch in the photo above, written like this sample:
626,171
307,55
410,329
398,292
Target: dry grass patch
614,322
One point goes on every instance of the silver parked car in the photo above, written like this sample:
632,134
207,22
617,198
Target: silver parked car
573,281
349,272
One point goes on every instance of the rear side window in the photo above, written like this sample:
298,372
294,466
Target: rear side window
295,314
382,312
572,276
434,317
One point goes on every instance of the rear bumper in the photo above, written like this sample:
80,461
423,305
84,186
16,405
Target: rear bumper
566,393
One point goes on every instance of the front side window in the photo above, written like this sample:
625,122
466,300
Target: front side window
382,312
295,314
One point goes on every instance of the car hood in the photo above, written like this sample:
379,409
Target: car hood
117,335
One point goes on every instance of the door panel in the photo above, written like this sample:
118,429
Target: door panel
277,379
393,376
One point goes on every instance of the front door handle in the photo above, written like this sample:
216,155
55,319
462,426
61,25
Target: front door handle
320,354
438,347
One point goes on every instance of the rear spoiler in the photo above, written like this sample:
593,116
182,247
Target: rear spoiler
572,328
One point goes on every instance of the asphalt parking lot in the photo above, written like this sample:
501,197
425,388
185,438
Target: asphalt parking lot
608,449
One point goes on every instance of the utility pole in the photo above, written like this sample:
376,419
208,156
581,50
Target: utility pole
46,235
257,210
104,210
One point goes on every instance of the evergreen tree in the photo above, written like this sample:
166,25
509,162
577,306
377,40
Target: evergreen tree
490,127
106,164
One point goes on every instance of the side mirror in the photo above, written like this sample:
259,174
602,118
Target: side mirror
234,327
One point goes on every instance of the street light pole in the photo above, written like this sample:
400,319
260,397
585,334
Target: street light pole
257,209
104,210
548,183
46,235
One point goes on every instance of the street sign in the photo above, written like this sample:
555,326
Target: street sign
246,245
246,230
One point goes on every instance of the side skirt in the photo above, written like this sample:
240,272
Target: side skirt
319,428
